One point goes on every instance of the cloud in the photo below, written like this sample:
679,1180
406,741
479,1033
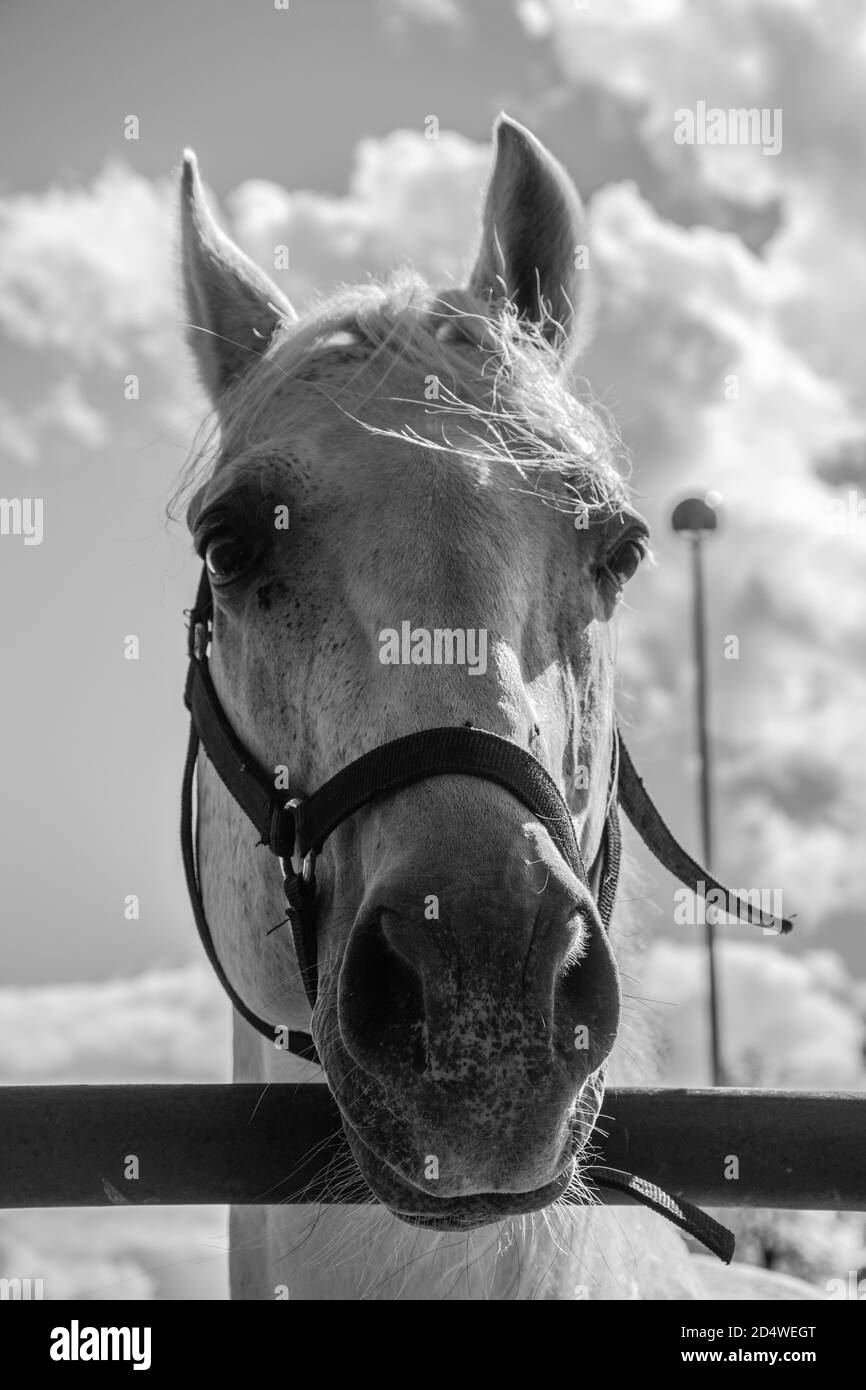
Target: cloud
64,412
651,60
85,270
787,1022
409,198
400,14
87,298
118,1253
672,54
166,1025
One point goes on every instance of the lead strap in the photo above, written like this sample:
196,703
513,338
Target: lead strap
660,841
696,1223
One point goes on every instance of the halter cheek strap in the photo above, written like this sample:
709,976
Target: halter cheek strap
295,831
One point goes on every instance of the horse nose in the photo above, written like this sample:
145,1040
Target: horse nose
441,982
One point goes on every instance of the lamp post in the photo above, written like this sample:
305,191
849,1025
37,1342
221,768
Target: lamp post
695,518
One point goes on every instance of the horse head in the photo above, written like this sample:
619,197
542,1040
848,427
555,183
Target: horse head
411,520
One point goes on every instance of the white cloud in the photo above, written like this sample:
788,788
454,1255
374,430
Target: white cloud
409,198
671,54
64,411
86,272
654,59
87,297
119,1252
399,14
789,1022
167,1025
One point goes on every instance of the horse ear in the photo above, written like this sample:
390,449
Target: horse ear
532,226
232,306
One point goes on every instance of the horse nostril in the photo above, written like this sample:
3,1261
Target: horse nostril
586,1002
381,1002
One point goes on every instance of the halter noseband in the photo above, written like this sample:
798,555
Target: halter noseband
295,831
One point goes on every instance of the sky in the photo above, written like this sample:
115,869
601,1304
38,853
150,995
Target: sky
730,284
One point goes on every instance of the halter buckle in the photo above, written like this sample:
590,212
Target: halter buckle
302,866
200,639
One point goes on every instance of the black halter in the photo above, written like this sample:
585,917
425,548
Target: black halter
295,830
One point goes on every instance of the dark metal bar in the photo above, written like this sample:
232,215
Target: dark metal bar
75,1146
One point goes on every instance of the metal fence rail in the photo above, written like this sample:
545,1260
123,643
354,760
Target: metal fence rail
73,1146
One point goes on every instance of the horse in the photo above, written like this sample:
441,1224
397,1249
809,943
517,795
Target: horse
410,516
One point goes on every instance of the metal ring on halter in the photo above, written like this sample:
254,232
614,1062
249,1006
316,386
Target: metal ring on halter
305,868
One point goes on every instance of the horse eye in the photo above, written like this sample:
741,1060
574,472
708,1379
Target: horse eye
227,556
624,561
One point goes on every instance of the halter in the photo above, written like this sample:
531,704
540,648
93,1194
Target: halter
296,830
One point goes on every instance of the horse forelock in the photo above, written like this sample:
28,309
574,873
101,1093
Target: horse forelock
492,386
